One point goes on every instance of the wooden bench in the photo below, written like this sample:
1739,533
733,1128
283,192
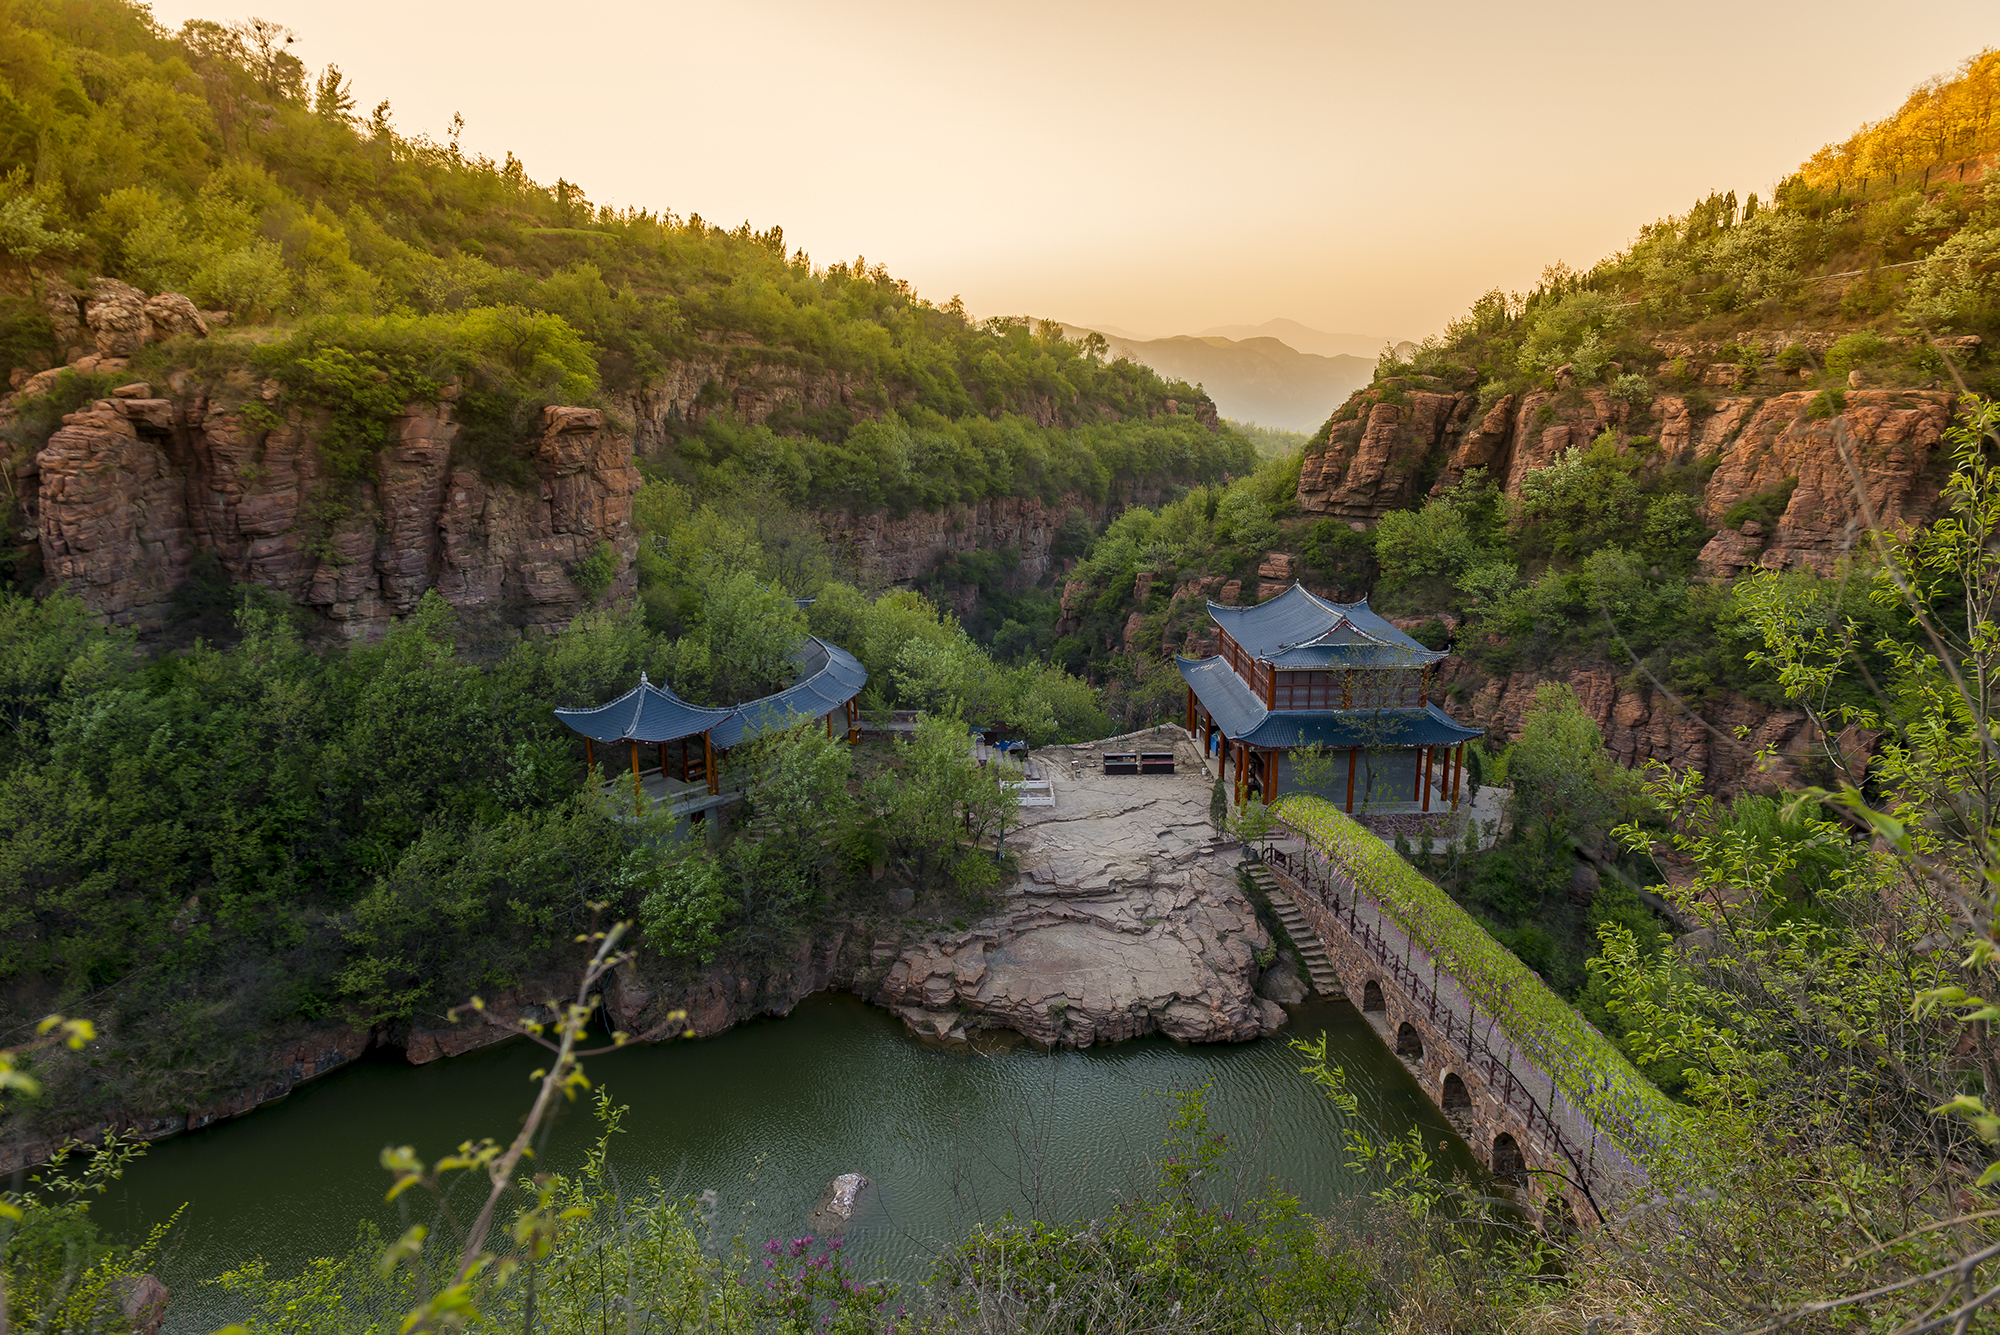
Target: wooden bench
1138,762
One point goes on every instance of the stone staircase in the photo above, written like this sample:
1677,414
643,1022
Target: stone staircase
1304,939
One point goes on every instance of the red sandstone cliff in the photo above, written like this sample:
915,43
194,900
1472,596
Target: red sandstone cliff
129,489
1883,447
1375,462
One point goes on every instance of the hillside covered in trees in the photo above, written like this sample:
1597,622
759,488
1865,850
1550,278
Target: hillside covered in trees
210,162
1723,502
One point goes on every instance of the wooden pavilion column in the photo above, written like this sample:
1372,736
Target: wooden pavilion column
663,760
1417,784
634,746
1430,755
1242,760
1190,709
1353,752
829,725
1271,776
1457,771
589,760
708,764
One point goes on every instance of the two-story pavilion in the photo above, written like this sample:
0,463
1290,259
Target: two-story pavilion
1300,671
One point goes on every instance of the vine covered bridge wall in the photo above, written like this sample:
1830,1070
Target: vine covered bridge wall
1523,1124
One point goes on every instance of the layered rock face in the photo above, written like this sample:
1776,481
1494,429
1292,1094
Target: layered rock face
1641,724
731,379
1824,477
736,377
130,489
1126,921
901,550
1386,458
1879,457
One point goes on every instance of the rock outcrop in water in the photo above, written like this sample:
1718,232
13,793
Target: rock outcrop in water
1127,920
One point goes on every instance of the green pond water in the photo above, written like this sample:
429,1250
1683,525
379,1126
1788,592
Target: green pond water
765,1115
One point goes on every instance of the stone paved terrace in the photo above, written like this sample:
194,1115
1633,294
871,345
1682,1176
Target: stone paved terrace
1126,919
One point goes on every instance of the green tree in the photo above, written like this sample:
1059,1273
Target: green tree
937,802
1564,783
743,645
683,897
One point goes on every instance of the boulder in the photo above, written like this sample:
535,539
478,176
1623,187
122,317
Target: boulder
59,302
1126,920
838,1202
142,1301
1280,982
171,315
116,314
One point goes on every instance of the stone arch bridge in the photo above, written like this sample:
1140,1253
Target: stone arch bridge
1522,1123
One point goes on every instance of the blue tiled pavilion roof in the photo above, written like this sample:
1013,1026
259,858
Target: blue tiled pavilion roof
1298,629
829,677
646,713
1242,717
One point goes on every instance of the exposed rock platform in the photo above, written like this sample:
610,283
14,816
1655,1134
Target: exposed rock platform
1126,920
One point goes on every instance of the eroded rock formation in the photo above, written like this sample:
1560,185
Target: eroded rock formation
1641,723
899,550
1389,455
129,489
1126,921
1816,478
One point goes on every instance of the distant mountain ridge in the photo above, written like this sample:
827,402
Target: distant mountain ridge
1255,379
1317,342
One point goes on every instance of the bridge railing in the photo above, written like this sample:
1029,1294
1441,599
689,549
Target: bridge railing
1601,1166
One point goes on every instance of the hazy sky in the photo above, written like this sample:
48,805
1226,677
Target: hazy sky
1159,166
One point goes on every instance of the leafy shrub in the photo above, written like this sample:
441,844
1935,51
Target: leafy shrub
366,372
35,419
595,572
1576,329
1632,388
1958,284
1341,554
1764,507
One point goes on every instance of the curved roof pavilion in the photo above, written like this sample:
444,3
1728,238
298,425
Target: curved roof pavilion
829,681
1302,671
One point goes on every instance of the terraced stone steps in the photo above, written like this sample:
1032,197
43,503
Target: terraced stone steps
1318,967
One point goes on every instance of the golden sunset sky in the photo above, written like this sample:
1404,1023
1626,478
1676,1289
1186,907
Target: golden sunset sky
1159,167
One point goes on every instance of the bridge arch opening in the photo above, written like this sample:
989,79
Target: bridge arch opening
1509,1164
1454,1095
1371,996
1409,1043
